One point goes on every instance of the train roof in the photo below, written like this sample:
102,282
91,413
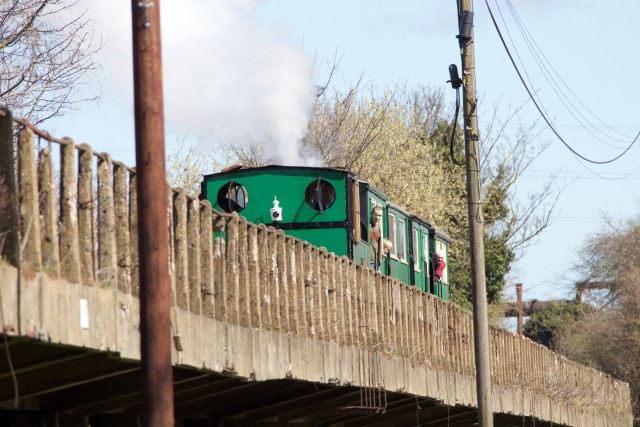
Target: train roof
435,231
410,215
441,235
421,220
373,189
240,169
399,209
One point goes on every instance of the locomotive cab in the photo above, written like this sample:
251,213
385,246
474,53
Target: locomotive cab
312,204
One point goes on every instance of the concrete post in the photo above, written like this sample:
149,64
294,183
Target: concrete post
181,271
48,214
9,219
69,246
123,244
206,258
86,214
29,197
107,258
193,242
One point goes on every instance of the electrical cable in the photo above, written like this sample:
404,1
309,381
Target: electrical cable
527,35
453,132
534,48
564,99
541,59
623,177
535,174
544,116
518,53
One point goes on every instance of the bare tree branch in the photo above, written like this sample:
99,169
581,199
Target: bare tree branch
46,58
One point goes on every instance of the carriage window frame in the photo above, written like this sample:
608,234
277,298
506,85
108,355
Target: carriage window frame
425,252
365,216
365,236
417,259
402,235
442,247
357,213
391,218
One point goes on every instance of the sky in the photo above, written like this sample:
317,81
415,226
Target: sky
246,70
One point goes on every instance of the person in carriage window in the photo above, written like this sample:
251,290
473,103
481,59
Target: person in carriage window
438,266
386,247
375,238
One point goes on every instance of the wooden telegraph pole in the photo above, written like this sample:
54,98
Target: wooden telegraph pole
155,300
520,309
476,232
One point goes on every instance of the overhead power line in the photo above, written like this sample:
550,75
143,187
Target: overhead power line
540,109
541,60
610,176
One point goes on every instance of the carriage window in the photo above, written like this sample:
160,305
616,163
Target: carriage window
320,195
366,216
393,235
373,204
425,252
416,250
402,240
357,229
441,247
232,197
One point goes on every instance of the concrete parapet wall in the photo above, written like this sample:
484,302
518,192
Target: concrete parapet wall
254,289
52,310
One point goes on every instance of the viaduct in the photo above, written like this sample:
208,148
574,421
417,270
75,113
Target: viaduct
267,330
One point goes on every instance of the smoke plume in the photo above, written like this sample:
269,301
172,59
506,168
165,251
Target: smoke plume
227,78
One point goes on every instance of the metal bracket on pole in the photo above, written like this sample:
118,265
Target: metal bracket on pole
145,5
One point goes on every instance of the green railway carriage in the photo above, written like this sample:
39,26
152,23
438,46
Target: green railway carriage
329,208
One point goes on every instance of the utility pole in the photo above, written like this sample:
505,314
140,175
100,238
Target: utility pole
155,302
476,232
520,309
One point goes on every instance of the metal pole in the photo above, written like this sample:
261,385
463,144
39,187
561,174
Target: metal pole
155,302
520,308
476,232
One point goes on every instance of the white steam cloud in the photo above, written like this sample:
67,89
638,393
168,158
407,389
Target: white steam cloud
227,78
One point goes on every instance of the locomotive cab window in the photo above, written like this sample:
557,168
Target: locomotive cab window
320,195
232,197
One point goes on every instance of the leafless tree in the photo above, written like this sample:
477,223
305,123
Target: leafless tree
46,57
505,156
608,339
340,140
